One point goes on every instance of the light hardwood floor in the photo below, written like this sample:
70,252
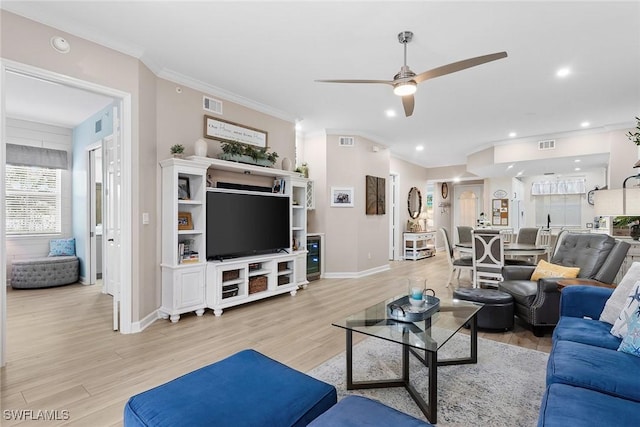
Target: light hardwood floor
63,355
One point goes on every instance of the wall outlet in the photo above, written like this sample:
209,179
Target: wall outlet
369,255
145,218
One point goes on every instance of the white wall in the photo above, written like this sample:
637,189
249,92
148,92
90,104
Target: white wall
33,134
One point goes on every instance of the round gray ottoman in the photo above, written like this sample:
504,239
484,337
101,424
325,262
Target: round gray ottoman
497,312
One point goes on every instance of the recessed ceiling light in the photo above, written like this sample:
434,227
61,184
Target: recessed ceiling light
576,169
510,166
60,44
419,148
577,160
390,113
563,72
456,179
520,173
585,124
512,134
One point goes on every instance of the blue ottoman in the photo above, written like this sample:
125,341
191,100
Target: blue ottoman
358,411
245,389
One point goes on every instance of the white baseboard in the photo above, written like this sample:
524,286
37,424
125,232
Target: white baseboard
145,322
357,274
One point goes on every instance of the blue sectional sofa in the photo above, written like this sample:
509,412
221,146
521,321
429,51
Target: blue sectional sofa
589,382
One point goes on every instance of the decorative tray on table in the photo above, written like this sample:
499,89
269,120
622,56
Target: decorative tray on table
402,310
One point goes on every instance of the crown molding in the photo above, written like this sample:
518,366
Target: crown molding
225,94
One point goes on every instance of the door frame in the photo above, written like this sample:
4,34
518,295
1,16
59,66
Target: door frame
92,248
394,220
124,101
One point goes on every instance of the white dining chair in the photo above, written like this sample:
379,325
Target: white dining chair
455,264
488,257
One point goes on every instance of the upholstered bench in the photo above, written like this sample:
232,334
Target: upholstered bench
497,312
44,272
245,389
357,411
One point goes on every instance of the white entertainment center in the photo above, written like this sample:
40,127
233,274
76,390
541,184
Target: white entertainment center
190,283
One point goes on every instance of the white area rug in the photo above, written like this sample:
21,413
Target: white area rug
504,388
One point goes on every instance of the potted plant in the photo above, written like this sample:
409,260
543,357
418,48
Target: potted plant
177,150
244,153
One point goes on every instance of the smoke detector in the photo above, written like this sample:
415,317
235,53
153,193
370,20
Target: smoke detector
60,44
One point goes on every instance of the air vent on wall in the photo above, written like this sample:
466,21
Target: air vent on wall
549,144
212,105
346,141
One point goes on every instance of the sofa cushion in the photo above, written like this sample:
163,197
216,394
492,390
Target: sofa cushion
585,331
616,301
587,251
631,342
523,291
596,368
630,311
247,389
565,405
547,269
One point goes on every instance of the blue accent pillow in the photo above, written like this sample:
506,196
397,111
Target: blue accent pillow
62,247
631,342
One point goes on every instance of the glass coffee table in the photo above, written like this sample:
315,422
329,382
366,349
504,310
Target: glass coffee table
418,338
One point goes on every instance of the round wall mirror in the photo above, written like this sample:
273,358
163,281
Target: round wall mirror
414,203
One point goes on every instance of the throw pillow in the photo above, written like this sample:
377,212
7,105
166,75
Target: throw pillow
62,247
631,342
546,269
628,312
616,301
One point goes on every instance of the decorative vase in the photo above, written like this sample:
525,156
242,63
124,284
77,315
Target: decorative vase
287,165
177,155
635,232
201,148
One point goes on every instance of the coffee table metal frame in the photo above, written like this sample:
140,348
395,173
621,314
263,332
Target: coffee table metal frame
426,353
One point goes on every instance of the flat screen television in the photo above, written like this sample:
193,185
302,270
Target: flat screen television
243,223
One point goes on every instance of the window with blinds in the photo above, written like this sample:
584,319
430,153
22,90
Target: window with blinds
564,210
33,197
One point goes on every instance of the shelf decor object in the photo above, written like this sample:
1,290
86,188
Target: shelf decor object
222,130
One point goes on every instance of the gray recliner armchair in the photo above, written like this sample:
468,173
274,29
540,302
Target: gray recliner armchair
599,257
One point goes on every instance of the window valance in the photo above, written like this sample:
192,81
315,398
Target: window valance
24,155
559,186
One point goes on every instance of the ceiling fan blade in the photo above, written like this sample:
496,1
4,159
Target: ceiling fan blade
458,66
387,82
408,102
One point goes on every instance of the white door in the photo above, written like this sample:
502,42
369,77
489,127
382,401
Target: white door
113,215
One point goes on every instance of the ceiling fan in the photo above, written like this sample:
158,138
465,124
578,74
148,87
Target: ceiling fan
406,81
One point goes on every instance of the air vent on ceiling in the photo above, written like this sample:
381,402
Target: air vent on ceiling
549,144
212,105
346,141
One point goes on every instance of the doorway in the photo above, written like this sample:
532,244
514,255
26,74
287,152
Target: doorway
95,197
468,206
122,305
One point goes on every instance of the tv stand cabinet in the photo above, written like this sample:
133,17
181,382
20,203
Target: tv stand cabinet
190,284
241,280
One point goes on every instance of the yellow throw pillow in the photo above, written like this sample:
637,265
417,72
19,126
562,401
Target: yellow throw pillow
546,269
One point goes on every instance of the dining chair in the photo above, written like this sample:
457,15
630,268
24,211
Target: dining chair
488,257
464,234
544,239
455,264
507,234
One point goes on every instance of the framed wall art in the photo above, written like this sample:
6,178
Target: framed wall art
222,130
342,197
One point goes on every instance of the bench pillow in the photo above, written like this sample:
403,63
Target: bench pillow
62,247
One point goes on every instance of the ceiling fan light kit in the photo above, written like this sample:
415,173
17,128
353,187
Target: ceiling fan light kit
405,83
